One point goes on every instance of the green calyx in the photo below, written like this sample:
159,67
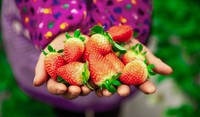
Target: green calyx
99,30
61,80
86,76
111,83
77,34
138,49
150,69
51,49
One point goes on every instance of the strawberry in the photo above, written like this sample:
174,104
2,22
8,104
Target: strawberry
121,34
74,47
116,62
103,73
74,73
102,42
136,72
135,53
52,61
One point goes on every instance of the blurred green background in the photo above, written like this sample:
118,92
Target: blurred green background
176,34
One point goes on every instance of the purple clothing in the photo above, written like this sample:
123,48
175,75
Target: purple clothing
45,19
31,24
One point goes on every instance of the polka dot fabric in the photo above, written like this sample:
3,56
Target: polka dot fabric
45,19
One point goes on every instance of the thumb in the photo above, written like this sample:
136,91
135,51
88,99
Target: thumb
41,75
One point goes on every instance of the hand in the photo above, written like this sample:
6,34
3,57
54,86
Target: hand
72,92
147,87
53,86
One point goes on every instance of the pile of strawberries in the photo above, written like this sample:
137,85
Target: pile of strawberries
102,58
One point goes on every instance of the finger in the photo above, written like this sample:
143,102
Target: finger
72,92
85,90
56,88
99,93
41,75
160,66
124,90
147,87
106,93
92,84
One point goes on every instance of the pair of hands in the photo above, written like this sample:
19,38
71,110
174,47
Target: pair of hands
72,91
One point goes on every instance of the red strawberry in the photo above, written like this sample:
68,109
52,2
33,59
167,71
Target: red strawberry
116,62
103,73
135,53
122,33
136,72
100,43
74,73
53,60
74,47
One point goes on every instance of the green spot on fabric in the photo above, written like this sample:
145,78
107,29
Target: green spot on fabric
66,6
135,34
24,10
50,25
139,24
128,6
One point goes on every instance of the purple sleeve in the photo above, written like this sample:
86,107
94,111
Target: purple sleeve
45,19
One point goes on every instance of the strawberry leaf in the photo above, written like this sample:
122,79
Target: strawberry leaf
67,35
96,30
50,48
110,88
134,47
61,80
145,61
144,53
45,53
140,48
82,38
116,46
150,71
116,83
60,51
77,33
86,75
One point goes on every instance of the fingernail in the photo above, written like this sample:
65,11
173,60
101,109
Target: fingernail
61,90
169,68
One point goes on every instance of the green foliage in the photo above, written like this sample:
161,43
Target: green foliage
176,25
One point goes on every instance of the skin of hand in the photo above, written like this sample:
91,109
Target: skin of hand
73,92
